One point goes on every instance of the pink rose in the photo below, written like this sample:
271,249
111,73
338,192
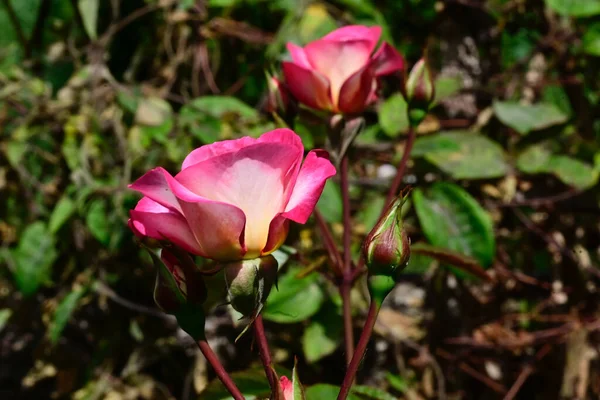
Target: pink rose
233,199
287,388
339,72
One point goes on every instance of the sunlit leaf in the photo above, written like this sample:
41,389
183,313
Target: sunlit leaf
88,9
451,218
393,117
63,313
321,337
575,8
525,118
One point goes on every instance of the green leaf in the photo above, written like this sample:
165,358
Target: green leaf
330,203
451,218
222,106
321,337
26,12
33,258
61,213
5,315
525,118
446,87
323,391
463,154
372,393
393,115
573,172
397,382
15,150
556,95
575,8
63,313
534,159
97,221
538,159
252,383
88,9
591,40
295,299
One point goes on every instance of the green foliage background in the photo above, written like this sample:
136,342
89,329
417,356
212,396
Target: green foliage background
505,169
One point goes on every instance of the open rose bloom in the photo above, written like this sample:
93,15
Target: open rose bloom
233,199
339,72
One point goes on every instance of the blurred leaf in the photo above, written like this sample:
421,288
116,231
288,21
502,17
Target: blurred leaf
321,337
88,9
451,218
463,154
330,203
61,213
445,256
575,8
446,87
14,152
63,313
153,111
538,159
26,12
314,24
323,391
222,106
393,116
556,95
397,382
534,159
252,383
525,118
372,393
370,214
573,172
33,258
516,47
591,40
97,221
295,299
5,314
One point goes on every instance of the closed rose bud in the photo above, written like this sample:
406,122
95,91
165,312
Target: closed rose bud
419,91
176,286
249,283
278,100
387,247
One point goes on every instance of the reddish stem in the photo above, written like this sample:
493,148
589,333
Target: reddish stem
401,167
265,353
213,360
332,250
360,351
347,280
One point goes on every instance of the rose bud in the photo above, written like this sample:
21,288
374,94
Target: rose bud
386,250
249,283
419,91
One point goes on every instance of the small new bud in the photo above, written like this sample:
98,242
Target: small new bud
278,99
387,247
419,91
249,283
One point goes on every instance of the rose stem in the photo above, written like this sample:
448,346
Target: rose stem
347,281
360,351
401,168
213,360
265,354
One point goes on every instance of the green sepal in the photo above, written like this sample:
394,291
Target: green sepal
192,320
379,287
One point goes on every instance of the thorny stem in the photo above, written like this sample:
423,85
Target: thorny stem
213,360
265,353
347,275
401,167
360,350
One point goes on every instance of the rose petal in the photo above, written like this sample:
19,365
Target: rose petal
278,230
153,220
356,32
309,87
338,60
228,146
387,60
312,177
356,91
255,179
287,388
298,55
217,226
